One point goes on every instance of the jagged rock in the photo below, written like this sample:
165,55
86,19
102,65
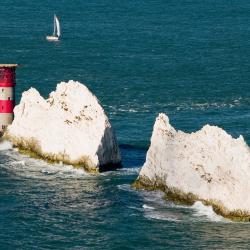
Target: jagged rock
70,126
208,165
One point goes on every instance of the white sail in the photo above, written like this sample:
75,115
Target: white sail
58,29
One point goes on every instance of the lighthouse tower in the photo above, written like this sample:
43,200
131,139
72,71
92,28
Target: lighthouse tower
7,94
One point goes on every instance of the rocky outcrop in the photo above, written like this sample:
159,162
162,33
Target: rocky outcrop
70,126
208,165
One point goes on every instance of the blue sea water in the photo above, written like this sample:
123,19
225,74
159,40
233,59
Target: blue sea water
187,58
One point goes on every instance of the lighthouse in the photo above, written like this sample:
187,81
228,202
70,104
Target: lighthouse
7,94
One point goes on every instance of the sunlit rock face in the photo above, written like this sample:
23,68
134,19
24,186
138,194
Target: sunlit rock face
208,165
70,126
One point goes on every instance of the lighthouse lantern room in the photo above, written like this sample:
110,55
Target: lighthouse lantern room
7,94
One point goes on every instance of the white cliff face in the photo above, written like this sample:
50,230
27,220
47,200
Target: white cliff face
209,164
69,126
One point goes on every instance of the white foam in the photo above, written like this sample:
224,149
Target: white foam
156,215
22,163
71,170
201,210
62,170
5,145
129,171
207,105
145,206
126,187
156,197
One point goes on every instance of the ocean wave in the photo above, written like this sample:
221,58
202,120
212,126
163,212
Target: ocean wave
129,171
205,106
183,105
22,163
162,216
156,207
62,170
150,204
128,108
27,167
196,213
200,210
145,206
155,197
126,187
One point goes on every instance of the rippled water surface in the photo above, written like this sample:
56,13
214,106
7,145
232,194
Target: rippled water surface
187,58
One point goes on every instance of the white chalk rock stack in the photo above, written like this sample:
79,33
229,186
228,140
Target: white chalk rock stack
70,126
208,165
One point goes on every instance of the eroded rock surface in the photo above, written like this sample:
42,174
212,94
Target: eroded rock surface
70,126
208,165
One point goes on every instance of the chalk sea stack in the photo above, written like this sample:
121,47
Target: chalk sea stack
208,166
70,126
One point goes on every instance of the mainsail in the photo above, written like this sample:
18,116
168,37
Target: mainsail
57,29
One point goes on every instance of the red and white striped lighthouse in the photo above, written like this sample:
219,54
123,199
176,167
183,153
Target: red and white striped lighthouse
7,94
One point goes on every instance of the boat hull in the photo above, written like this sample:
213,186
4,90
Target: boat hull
52,38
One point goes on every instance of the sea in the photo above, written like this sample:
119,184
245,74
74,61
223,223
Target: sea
187,58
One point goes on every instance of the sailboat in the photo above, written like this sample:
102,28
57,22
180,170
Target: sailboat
57,31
